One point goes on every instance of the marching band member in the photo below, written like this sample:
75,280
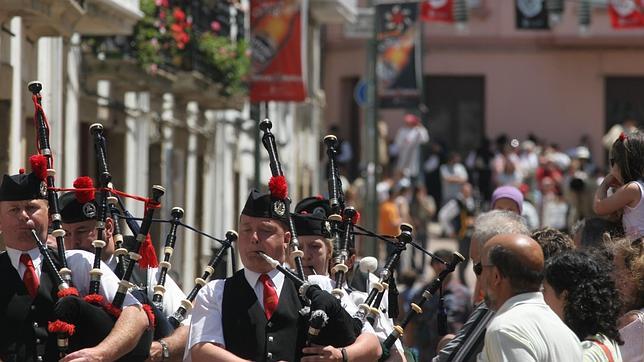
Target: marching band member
79,223
28,295
317,247
255,313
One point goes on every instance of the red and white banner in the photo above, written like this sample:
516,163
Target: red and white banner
276,46
626,13
437,10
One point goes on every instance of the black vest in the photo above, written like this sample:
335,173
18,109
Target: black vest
23,321
249,335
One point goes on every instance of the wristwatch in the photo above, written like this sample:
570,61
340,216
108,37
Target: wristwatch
166,351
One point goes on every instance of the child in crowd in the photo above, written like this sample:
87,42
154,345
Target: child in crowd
626,177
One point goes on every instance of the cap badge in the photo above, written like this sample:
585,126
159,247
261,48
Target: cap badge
89,210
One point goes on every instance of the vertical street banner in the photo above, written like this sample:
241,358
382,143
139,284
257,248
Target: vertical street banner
531,15
437,10
626,14
398,55
276,48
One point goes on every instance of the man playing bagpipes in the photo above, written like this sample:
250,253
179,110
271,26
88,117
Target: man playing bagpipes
78,210
255,314
30,288
317,245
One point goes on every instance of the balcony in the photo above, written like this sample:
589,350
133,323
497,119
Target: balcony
46,17
109,17
115,58
185,44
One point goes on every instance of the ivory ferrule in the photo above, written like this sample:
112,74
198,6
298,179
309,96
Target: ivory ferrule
99,243
416,308
120,252
58,233
186,304
159,289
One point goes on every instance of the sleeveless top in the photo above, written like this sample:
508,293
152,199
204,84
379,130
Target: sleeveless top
633,218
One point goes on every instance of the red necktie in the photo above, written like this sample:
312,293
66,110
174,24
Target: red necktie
270,296
30,277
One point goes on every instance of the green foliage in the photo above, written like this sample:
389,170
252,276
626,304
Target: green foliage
229,60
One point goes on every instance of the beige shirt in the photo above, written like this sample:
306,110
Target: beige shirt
525,329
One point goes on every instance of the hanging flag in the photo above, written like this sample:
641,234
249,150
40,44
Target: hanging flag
626,14
276,46
531,15
398,62
437,10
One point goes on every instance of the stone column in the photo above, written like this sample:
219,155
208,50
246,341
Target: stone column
16,141
136,148
167,136
189,245
70,165
50,73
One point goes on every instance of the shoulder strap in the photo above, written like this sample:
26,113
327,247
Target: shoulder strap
604,348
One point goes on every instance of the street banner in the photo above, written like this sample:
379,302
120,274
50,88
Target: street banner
437,10
276,46
531,15
626,14
398,58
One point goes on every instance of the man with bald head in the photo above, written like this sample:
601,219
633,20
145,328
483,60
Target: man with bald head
468,341
524,327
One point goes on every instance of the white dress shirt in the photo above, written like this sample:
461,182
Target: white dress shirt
525,329
80,263
206,326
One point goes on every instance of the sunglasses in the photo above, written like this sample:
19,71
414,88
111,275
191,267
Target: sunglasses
478,268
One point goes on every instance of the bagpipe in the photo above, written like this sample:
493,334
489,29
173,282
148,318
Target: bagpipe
416,308
369,310
342,219
329,323
186,305
279,192
45,158
89,320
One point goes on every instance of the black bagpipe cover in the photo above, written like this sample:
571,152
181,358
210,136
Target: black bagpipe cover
342,329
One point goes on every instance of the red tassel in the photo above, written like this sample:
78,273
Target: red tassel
83,196
623,137
278,187
67,292
21,171
148,254
39,166
95,299
151,317
59,326
116,312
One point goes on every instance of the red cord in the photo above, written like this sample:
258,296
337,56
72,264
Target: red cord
38,108
149,203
